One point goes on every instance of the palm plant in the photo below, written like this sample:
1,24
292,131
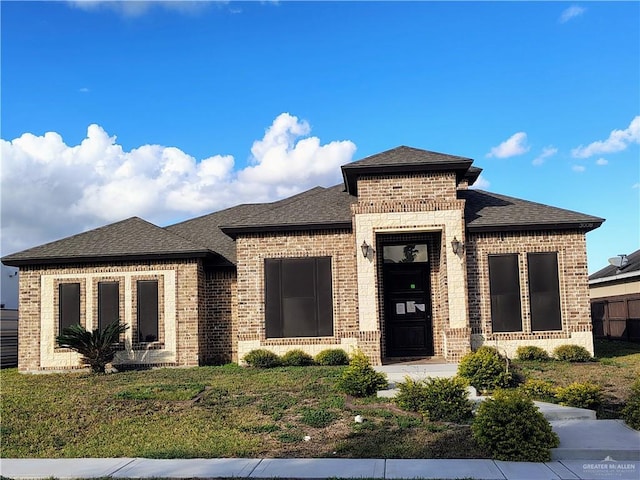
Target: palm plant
97,348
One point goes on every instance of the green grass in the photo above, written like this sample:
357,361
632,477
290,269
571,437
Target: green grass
615,367
230,411
207,412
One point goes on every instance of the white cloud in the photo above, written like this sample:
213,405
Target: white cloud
481,183
546,153
84,90
618,140
578,168
51,190
602,161
572,12
635,186
136,8
516,144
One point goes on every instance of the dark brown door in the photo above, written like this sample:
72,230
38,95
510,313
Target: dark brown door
407,310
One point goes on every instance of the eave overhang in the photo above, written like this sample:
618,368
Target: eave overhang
351,173
235,230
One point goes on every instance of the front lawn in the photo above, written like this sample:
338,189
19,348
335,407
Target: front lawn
231,411
210,412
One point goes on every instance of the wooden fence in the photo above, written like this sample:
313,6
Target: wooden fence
617,318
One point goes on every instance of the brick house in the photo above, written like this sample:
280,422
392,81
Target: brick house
401,260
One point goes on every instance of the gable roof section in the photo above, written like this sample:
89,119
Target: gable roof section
401,160
316,209
490,212
129,239
613,273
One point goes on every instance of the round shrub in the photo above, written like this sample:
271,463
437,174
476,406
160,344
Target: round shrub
332,357
485,369
530,352
538,390
631,411
510,427
359,378
581,395
572,353
297,358
438,399
261,358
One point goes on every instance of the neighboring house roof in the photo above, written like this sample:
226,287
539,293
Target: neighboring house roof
401,160
490,212
612,273
128,239
212,236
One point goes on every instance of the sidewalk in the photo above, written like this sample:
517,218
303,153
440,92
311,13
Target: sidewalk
321,468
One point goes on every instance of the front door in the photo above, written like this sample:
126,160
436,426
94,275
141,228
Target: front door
408,325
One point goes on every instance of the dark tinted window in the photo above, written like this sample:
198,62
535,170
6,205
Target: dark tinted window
108,303
544,291
504,285
298,295
68,305
147,310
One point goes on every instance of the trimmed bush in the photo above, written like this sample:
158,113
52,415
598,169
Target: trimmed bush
297,358
530,352
438,399
572,353
631,411
581,395
359,378
262,358
332,357
538,390
510,427
485,369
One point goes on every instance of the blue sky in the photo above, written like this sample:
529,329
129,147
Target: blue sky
167,110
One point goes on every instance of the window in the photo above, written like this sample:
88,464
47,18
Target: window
544,291
68,305
298,296
504,286
108,303
147,310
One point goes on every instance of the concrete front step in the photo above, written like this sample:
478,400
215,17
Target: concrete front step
595,439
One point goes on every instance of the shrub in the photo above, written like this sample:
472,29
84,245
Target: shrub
98,348
631,411
359,379
581,395
511,428
538,390
297,358
332,357
261,358
530,352
485,369
444,399
572,353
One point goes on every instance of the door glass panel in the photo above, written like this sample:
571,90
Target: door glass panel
406,253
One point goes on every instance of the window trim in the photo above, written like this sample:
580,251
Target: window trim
275,321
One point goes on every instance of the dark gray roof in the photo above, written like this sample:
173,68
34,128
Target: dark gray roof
490,212
128,239
633,265
212,236
401,160
320,208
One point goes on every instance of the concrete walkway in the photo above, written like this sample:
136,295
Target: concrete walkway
320,468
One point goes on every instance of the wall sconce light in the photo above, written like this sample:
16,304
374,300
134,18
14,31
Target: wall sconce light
366,248
457,246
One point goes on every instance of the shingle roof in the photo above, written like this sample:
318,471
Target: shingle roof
320,208
402,160
212,236
127,239
633,265
490,212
